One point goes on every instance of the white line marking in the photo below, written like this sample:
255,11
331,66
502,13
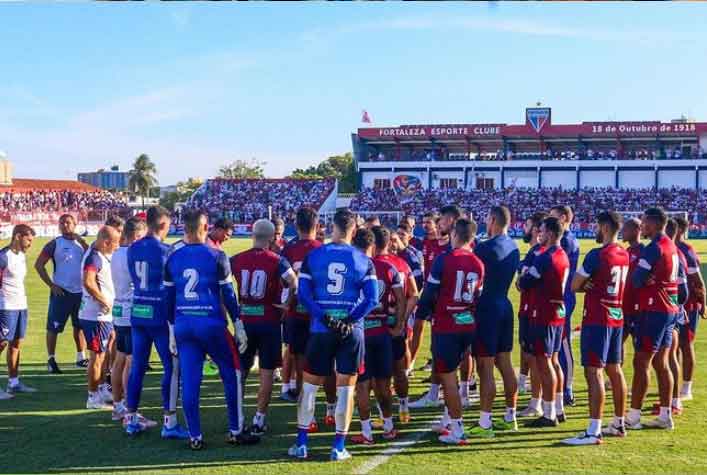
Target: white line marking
397,447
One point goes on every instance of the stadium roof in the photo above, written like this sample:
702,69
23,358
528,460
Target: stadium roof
27,184
538,126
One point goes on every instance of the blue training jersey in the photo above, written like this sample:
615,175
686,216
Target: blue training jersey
146,259
501,258
199,279
570,245
340,281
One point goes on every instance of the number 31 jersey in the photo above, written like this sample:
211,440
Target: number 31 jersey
607,267
459,273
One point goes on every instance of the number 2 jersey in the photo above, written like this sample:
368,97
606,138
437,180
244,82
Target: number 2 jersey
146,260
258,273
337,280
452,289
607,267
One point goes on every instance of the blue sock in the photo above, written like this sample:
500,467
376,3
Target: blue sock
339,440
302,437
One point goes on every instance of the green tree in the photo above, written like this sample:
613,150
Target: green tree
340,167
142,176
242,169
184,190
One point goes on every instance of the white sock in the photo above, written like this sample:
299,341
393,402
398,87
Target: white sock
80,356
464,389
457,427
445,420
686,387
485,420
549,410
366,429
330,409
293,384
534,404
344,408
433,393
305,408
387,424
677,402
594,427
285,388
560,403
259,418
522,379
634,415
510,414
403,404
618,421
51,357
170,420
13,381
664,413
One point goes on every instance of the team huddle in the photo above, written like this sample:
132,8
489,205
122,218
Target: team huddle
352,314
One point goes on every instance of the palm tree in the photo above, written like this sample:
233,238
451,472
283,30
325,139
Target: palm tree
142,177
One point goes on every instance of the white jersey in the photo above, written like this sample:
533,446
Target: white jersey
123,284
13,269
66,255
90,308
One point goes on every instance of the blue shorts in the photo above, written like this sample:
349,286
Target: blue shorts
681,317
97,334
494,328
379,357
297,331
124,339
448,349
630,324
526,343
325,349
399,347
13,324
654,331
61,307
601,345
547,339
266,340
689,329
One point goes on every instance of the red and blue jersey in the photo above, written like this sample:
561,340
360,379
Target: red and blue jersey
656,276
693,304
548,276
431,248
295,252
630,303
526,295
451,292
146,261
259,273
607,268
337,280
388,277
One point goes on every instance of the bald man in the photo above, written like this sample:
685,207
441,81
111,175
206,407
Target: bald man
95,315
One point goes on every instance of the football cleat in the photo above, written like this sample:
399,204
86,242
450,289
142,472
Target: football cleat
561,418
244,438
659,423
404,417
569,399
289,396
20,387
196,443
142,420
298,451
478,431
530,412
82,363
452,439
583,439
615,431
119,412
313,427
97,403
258,430
329,420
339,455
105,394
134,428
504,425
360,439
424,402
634,425
176,432
53,367
390,435
687,396
541,422
5,396
677,411
440,427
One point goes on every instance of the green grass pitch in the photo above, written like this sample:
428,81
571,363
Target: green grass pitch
52,432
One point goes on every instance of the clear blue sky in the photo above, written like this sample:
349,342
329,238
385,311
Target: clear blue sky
84,86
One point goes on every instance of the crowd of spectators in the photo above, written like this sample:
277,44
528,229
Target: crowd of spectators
524,201
244,201
14,201
442,154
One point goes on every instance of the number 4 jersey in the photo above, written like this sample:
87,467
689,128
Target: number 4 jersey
258,273
146,259
607,267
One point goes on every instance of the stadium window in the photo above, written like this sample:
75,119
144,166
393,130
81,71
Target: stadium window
448,183
381,184
484,183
